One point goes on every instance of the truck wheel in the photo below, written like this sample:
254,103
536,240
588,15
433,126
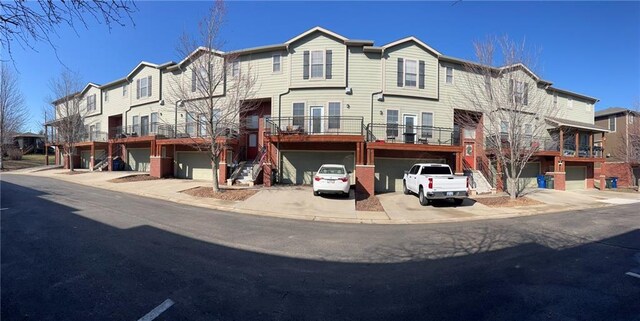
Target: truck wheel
458,201
423,199
404,188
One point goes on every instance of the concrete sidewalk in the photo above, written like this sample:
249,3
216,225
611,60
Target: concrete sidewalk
298,202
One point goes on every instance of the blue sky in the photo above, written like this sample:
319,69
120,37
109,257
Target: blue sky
588,47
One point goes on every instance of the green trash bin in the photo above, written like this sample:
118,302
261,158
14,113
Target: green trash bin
608,182
549,181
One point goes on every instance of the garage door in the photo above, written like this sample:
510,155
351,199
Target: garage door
299,167
528,177
139,159
194,165
635,176
576,177
389,172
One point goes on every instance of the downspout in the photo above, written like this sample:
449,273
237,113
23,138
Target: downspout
280,126
372,95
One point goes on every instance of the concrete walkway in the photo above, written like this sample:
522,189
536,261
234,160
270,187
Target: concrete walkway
298,202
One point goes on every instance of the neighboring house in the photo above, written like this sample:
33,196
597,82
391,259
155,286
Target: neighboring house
623,139
29,143
326,98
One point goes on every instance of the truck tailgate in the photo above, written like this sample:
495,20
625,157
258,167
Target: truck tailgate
449,183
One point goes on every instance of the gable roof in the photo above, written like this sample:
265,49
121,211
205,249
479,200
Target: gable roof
414,39
316,29
193,53
87,88
612,111
576,124
526,70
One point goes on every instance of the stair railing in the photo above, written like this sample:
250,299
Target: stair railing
257,163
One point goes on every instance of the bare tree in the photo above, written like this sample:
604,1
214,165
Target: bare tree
28,22
629,146
67,113
219,90
513,103
13,112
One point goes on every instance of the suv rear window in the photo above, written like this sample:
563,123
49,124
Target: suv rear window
332,170
435,170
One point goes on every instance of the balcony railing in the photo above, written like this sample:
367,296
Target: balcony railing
195,130
528,142
397,133
584,150
316,125
95,136
138,130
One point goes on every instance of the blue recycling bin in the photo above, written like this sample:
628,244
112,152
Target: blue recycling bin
614,182
541,182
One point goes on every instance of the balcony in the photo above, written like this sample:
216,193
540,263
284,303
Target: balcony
538,144
316,125
407,134
196,130
584,151
152,129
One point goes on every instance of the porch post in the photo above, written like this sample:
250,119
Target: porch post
110,157
91,159
458,170
577,148
561,141
591,144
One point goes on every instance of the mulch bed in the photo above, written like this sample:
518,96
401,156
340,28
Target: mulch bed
133,178
506,201
366,202
71,173
223,194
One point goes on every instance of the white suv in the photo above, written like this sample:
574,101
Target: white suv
331,178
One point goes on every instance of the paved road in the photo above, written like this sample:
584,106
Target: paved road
70,252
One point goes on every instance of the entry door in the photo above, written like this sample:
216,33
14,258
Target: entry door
252,146
316,119
409,122
144,128
469,146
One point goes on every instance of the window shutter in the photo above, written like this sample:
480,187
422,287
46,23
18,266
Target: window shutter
526,94
305,65
194,80
400,72
328,63
149,86
421,74
137,88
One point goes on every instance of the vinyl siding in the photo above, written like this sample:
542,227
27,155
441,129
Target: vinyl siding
144,72
318,41
412,51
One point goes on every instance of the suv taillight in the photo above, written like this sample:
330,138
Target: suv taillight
317,178
430,183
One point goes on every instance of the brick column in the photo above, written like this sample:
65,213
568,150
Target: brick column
365,179
603,182
559,181
222,173
458,170
155,166
266,174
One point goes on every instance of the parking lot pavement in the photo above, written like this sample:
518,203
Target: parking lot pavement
299,200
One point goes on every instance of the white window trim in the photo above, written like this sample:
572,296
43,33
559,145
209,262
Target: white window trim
452,76
324,64
386,115
615,123
433,120
146,88
404,76
322,117
280,63
508,126
233,68
341,113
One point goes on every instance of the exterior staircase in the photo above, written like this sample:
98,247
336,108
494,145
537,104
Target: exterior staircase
101,165
245,176
482,186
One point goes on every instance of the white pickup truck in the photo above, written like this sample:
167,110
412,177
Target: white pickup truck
435,181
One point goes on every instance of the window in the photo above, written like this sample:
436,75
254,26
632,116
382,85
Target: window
317,64
449,75
216,119
631,116
487,86
414,170
252,121
143,87
106,95
235,68
202,123
612,123
504,127
569,102
154,122
125,90
191,125
298,115
276,63
392,123
528,130
427,125
334,115
91,102
136,125
410,73
555,100
520,93
199,79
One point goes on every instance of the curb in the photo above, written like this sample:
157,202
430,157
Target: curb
323,219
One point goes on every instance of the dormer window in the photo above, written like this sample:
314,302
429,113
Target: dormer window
410,73
317,64
143,87
91,102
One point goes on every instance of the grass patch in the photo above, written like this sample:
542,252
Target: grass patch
223,194
366,202
27,161
133,178
506,201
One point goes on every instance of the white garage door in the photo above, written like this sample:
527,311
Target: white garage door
576,177
85,159
389,172
194,165
139,159
528,177
299,167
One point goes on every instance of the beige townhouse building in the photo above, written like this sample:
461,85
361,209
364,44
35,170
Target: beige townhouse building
325,98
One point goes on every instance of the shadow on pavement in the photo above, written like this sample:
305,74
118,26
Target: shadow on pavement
58,265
